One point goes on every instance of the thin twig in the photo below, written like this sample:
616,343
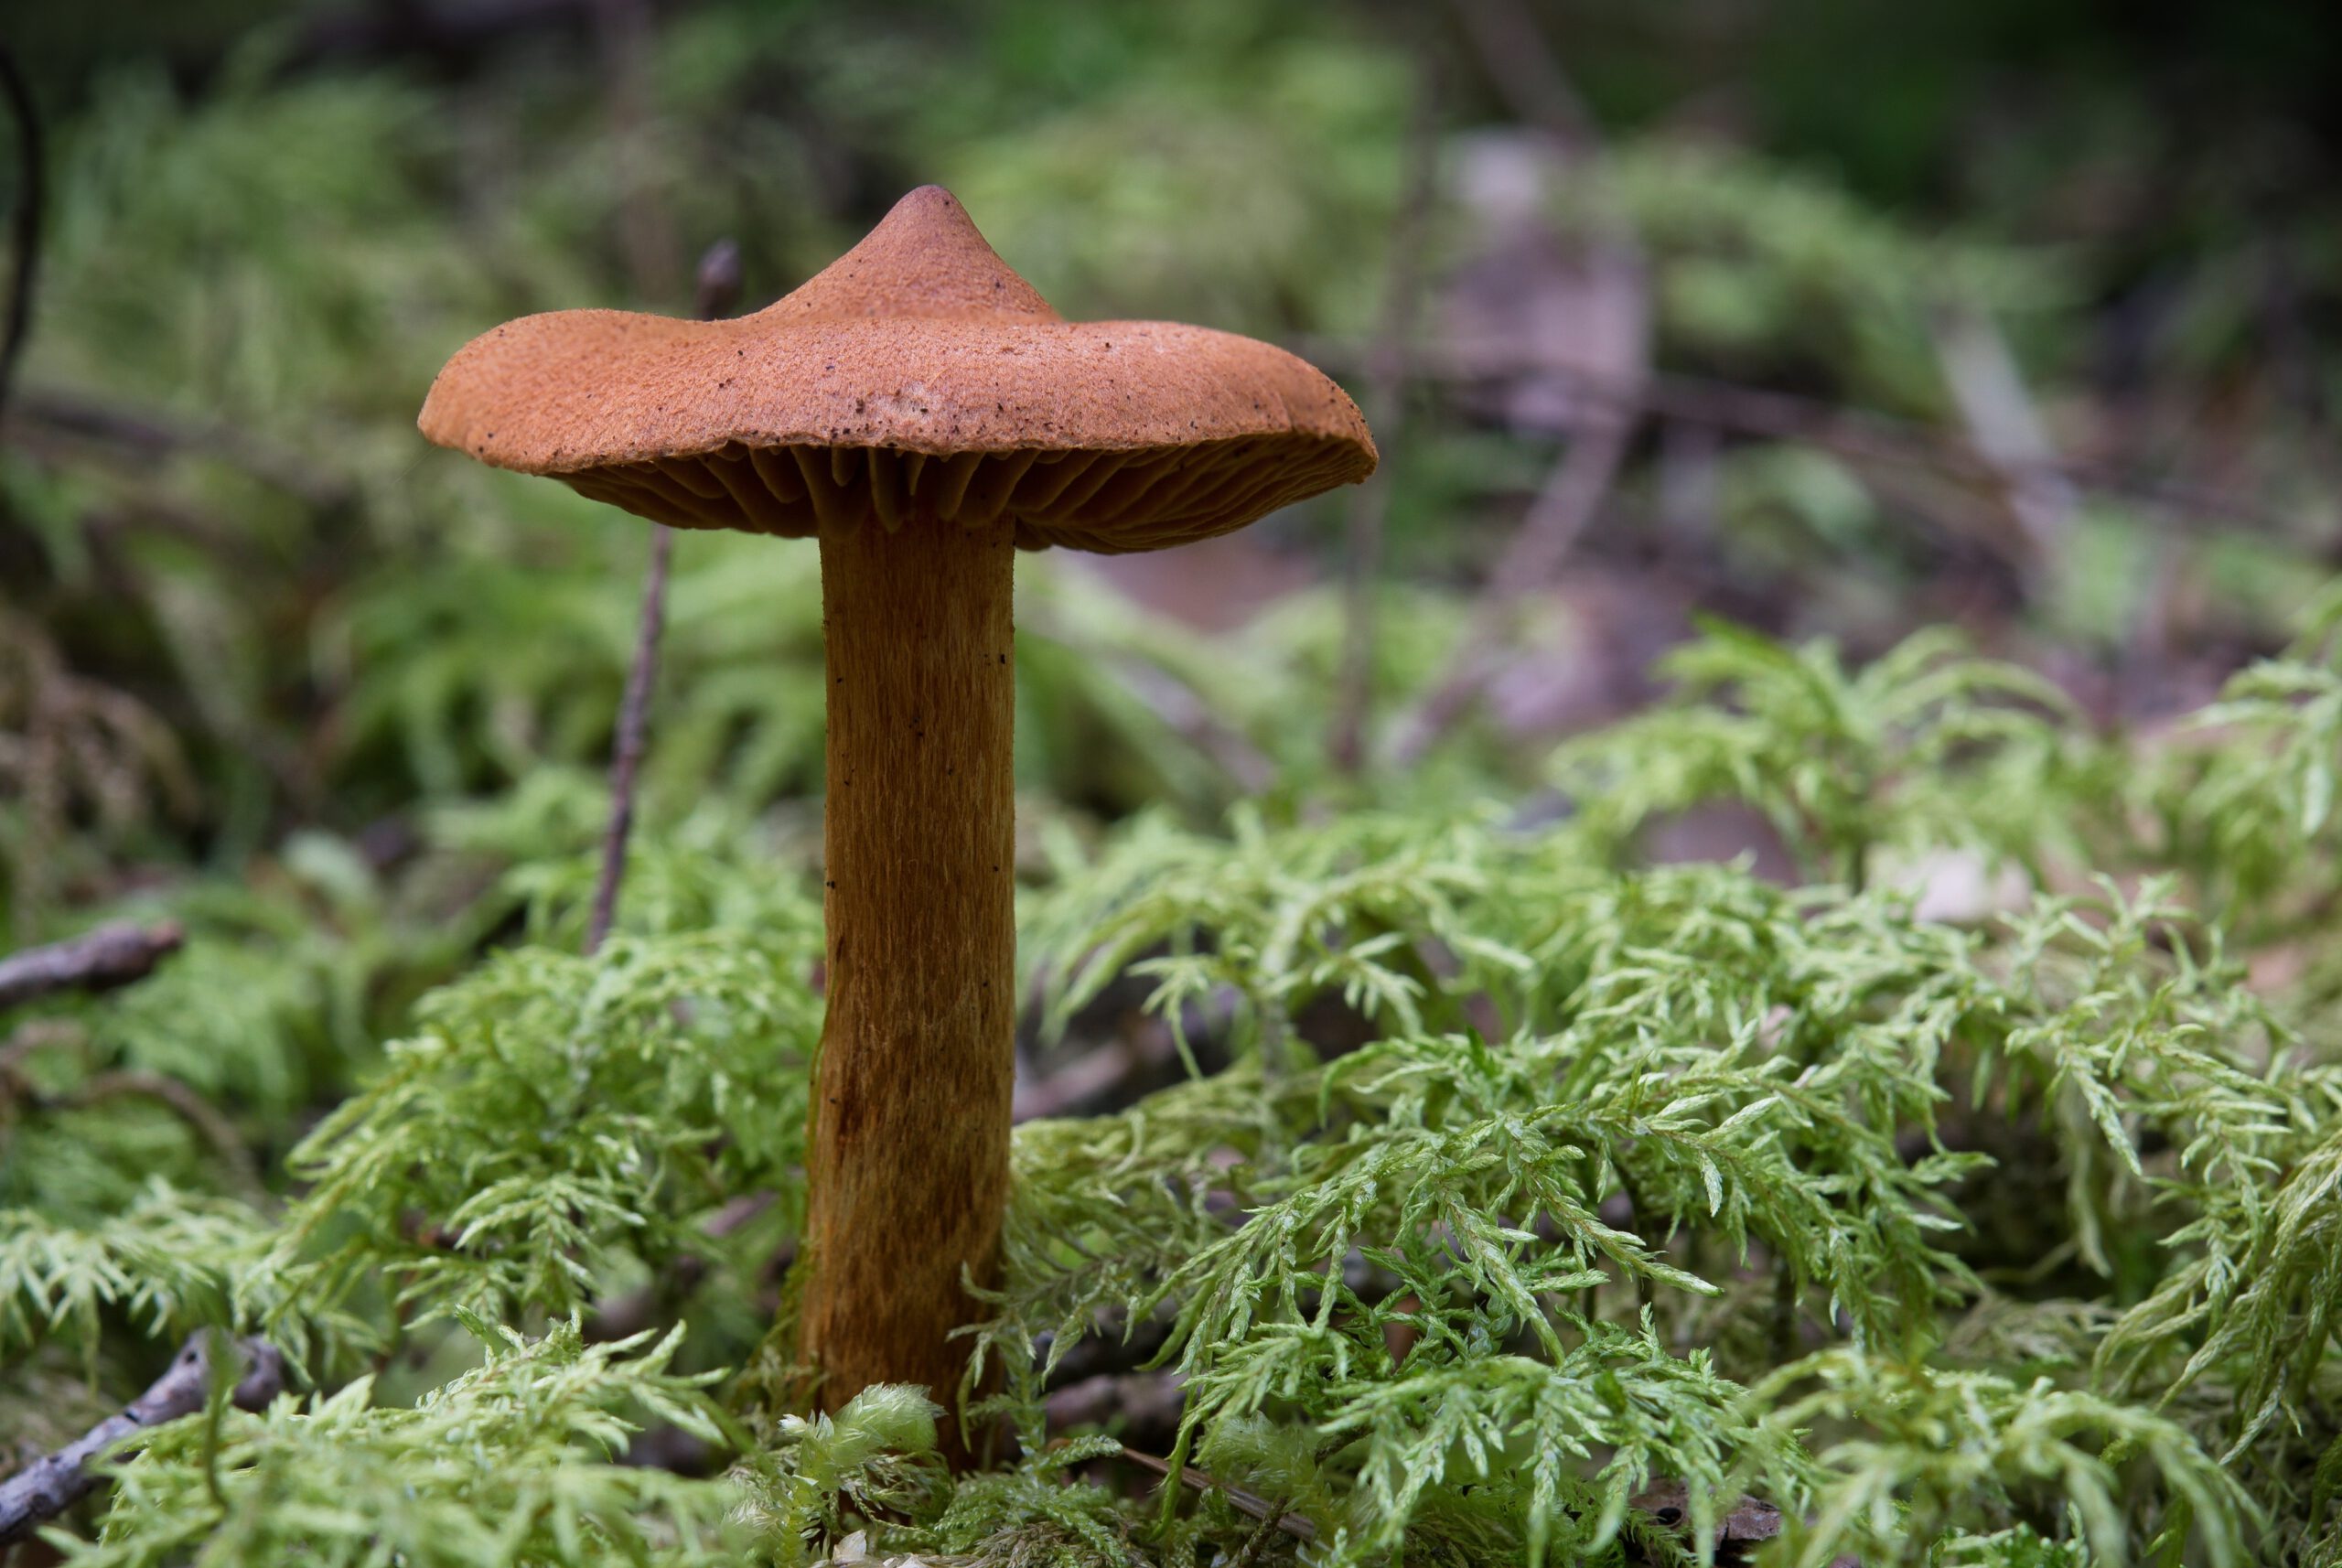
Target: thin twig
1386,388
100,959
1866,436
719,286
49,1485
30,195
634,718
1244,1502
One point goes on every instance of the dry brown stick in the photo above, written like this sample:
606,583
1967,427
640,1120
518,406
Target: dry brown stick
49,1485
1385,400
634,719
1563,509
170,1092
719,286
1869,437
1086,1078
100,959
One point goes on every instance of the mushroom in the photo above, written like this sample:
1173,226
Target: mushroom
920,409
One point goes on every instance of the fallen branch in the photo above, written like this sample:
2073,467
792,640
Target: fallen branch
1243,1501
33,1035
55,1482
1175,702
101,959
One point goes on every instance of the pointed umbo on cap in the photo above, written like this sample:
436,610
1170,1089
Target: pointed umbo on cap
916,374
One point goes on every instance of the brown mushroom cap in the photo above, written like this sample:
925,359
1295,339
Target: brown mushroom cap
916,373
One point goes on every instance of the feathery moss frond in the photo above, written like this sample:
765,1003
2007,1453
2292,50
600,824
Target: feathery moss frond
512,1464
557,1114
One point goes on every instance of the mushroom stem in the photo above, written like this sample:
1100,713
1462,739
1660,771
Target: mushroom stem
908,1169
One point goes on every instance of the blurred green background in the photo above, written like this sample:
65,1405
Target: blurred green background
1850,318
1838,321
